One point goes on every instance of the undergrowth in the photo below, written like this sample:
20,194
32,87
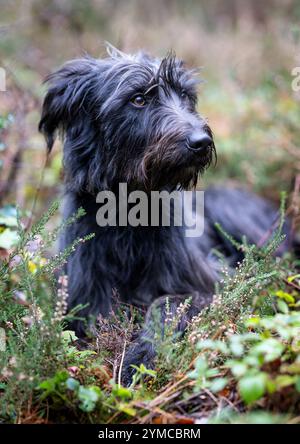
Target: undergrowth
237,362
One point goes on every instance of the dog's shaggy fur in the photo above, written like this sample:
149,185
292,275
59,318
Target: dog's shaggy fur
133,119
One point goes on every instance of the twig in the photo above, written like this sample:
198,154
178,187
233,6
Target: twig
294,207
292,284
121,365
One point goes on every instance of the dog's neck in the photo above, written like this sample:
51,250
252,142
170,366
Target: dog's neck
91,203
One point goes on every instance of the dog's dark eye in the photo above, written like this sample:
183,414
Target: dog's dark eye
138,100
183,95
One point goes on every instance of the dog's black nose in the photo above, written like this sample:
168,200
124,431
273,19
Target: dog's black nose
199,142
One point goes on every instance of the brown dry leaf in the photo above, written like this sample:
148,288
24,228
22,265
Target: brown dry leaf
185,420
158,420
103,373
32,418
225,393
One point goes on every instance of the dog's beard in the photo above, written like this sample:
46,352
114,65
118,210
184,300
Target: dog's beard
168,167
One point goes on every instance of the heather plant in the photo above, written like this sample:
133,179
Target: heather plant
249,338
32,313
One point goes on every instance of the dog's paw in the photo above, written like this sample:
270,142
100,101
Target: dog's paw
140,352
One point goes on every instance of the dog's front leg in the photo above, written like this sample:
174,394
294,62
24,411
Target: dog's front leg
90,289
166,309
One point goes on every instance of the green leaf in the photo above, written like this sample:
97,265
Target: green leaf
8,239
285,296
282,306
213,345
72,384
252,388
270,348
69,336
48,385
52,384
252,361
201,366
237,368
88,397
211,372
252,322
142,370
271,386
122,392
236,346
128,410
284,381
292,278
83,354
218,384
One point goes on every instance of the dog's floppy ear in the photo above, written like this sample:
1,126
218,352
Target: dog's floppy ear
69,88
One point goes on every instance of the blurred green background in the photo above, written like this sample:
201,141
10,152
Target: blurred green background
247,50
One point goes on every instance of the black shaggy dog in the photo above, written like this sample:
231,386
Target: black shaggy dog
132,119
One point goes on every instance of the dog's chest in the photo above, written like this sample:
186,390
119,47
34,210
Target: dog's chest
146,264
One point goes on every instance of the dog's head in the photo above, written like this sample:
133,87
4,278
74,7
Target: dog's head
127,119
